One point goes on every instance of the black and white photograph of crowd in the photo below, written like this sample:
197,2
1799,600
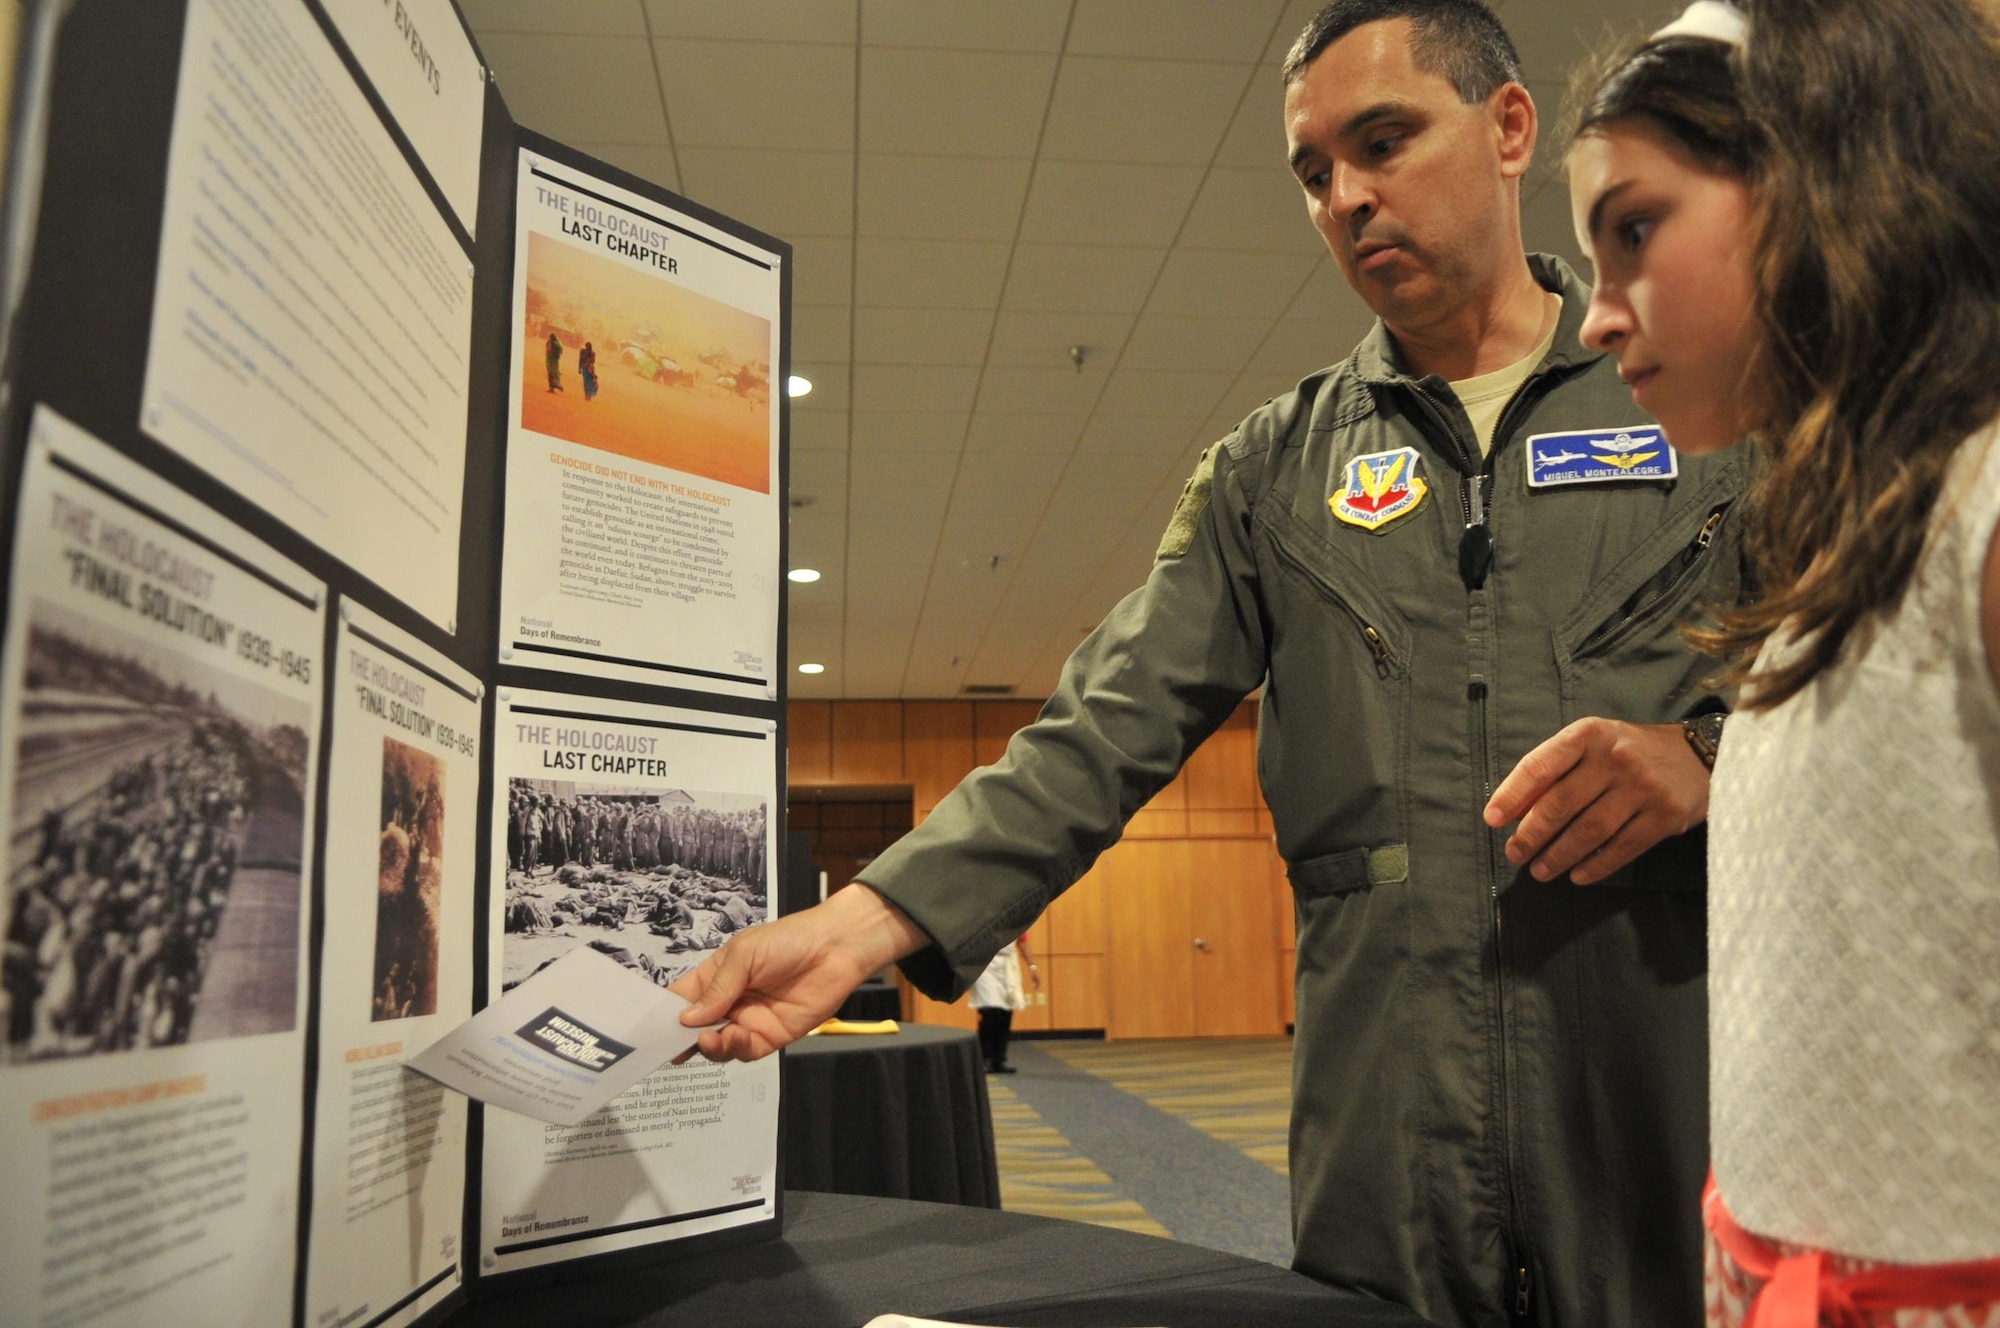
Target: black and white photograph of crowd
154,865
655,878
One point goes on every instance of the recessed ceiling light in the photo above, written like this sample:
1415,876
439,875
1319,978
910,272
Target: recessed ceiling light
796,386
803,575
812,668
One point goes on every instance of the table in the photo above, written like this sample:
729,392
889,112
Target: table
897,1115
873,1000
844,1259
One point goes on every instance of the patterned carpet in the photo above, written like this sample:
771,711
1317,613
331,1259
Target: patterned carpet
1182,1138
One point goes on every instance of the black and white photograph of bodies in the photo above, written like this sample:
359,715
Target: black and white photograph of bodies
656,878
154,862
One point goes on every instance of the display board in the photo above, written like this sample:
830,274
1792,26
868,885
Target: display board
394,506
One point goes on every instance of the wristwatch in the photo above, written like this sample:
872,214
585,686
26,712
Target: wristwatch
1704,734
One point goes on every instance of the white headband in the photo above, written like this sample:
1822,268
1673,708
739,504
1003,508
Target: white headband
1715,20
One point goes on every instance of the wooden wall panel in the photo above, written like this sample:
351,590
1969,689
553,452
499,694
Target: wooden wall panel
867,742
1076,921
1235,937
921,1009
1116,949
993,722
808,742
1078,993
937,749
1239,824
1222,773
1151,948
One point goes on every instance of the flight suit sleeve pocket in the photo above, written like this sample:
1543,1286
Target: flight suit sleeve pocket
1350,870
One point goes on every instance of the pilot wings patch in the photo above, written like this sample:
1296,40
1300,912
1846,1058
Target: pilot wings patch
1599,456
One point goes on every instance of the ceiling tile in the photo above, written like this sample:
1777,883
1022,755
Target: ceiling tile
653,162
819,539
1256,136
1290,24
1260,208
1131,479
1164,392
1017,387
894,472
918,101
1081,278
821,474
911,387
752,20
1141,110
930,274
1208,281
1173,29
1191,341
921,336
875,586
941,198
780,193
986,25
1044,339
573,88
819,331
741,94
1126,437
1553,38
822,269
1116,203
893,525
909,431
605,17
1051,436
819,431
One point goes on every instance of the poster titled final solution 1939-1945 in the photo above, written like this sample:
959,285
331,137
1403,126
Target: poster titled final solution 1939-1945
160,702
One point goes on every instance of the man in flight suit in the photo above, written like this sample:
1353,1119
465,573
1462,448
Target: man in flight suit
1462,551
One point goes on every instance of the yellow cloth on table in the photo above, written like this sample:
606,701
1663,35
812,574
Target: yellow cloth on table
857,1026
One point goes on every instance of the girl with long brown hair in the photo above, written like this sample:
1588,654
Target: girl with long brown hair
1795,220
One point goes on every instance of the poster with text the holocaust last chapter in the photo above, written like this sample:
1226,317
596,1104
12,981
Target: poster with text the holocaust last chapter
646,833
643,517
395,972
159,701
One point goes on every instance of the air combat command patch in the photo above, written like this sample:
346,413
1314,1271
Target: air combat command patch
1599,456
1380,488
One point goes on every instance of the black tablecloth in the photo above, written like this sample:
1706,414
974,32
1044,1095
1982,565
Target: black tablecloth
845,1259
898,1115
873,1000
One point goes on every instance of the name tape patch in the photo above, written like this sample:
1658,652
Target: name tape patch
573,1040
1380,488
1600,456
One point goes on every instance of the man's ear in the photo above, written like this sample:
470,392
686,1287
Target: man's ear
1515,125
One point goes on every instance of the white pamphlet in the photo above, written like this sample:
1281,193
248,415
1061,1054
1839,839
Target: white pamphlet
564,1042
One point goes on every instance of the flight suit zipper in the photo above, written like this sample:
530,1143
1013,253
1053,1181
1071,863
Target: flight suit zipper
1692,556
1475,560
1378,644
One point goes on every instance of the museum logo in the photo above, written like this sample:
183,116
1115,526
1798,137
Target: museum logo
573,1040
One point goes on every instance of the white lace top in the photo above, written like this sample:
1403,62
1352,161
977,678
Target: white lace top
1854,928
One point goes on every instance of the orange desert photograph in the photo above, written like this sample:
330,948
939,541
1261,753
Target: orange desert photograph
633,364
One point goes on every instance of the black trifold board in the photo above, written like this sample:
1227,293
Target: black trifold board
87,166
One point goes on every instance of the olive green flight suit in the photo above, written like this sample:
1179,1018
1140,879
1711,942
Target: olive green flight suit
1500,1085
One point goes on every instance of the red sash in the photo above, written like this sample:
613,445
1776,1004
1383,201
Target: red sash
1802,1291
